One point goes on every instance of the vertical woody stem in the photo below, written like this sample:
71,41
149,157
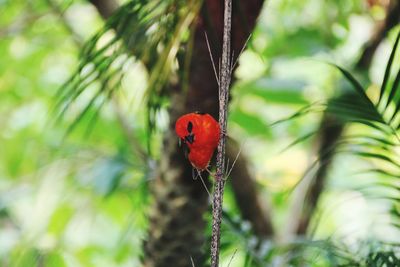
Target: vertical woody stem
225,79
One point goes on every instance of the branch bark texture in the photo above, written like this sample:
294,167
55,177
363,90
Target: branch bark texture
225,79
179,201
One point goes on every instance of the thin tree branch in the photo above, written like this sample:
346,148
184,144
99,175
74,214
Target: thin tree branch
246,196
225,80
175,172
212,58
243,22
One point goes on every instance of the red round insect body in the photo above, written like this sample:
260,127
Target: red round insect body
200,132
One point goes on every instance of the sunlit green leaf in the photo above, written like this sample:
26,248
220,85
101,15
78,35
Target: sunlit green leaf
54,260
60,219
275,91
250,123
25,257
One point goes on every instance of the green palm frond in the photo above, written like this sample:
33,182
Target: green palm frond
359,107
382,117
391,92
304,252
147,31
382,258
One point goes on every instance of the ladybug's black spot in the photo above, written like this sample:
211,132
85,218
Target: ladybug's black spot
189,138
200,113
190,127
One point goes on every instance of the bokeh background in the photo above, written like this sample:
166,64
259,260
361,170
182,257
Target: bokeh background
78,173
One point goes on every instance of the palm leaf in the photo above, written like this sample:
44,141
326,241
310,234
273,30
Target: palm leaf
310,108
146,31
362,108
382,172
381,141
378,156
356,84
299,140
395,90
382,258
358,107
383,144
387,75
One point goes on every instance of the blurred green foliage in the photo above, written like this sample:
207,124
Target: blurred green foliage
80,200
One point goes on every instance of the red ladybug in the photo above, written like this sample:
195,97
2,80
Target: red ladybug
200,132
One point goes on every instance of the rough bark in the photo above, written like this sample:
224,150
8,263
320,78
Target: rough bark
176,230
245,16
224,85
175,171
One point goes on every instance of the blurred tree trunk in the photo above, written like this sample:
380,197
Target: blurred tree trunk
177,227
381,30
245,192
105,7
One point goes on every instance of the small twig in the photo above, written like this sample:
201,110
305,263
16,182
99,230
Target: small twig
225,79
227,165
230,261
219,73
241,52
202,181
234,162
232,64
212,58
191,259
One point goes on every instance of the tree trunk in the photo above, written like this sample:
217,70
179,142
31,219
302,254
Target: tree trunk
177,225
176,231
